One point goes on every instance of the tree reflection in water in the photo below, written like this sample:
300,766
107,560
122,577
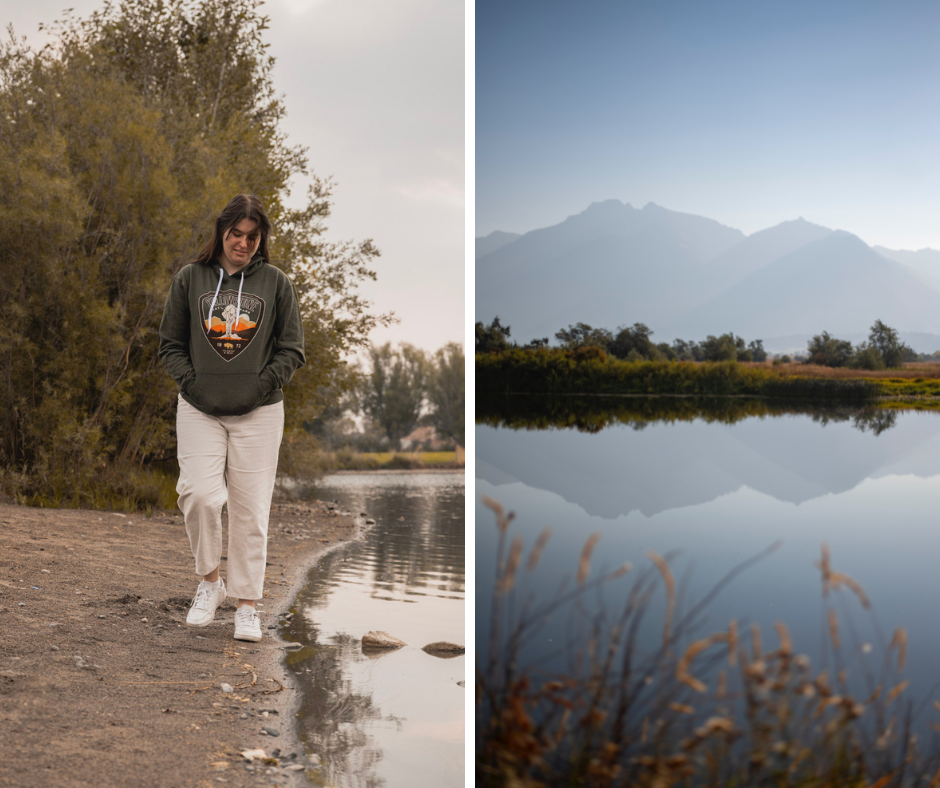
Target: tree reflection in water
592,414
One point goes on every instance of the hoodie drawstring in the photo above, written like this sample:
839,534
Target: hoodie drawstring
218,287
212,306
238,315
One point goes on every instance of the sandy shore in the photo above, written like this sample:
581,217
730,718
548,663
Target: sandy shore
101,682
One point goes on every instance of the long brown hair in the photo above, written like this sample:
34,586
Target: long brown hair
243,206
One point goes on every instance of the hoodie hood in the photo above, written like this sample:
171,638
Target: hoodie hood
256,263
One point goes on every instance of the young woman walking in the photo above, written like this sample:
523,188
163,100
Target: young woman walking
231,338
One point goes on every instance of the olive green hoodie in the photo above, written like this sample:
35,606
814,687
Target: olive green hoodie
231,342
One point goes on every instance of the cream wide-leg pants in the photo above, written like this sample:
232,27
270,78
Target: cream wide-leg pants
233,459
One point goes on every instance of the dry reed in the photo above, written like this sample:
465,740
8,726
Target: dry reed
626,717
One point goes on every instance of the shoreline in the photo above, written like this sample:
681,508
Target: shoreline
393,471
101,682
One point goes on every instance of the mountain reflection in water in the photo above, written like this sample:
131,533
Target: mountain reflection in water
392,718
715,484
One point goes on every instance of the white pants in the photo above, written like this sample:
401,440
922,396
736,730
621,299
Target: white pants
233,459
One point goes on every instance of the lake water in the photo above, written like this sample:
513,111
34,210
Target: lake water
395,718
719,486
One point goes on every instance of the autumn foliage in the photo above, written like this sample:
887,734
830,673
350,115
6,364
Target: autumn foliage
119,144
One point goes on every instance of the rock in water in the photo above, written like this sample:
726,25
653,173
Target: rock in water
377,639
443,649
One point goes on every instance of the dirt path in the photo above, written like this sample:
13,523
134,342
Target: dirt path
101,682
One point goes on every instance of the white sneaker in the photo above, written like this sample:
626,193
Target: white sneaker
247,623
208,597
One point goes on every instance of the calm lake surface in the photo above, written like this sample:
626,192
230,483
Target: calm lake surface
719,484
394,718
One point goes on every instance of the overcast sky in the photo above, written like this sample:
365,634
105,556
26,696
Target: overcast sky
751,113
375,90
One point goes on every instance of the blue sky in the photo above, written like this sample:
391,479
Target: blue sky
751,113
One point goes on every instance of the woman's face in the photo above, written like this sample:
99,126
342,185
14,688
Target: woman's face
239,245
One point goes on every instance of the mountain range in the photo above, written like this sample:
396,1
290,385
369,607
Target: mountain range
689,276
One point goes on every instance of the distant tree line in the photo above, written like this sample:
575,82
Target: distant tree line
396,390
629,343
883,350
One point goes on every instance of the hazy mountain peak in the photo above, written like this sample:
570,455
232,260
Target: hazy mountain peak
606,208
493,241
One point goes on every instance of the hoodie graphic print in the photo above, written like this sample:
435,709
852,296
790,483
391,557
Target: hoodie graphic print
234,321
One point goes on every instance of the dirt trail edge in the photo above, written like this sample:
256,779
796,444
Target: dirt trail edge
101,682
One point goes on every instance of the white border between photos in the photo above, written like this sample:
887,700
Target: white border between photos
469,387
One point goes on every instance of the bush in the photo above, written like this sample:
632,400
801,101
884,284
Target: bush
867,357
589,353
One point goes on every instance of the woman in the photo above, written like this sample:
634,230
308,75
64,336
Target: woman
231,338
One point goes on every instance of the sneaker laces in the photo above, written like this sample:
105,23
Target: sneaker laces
246,615
201,600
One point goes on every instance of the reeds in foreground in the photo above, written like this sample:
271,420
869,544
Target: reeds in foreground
723,709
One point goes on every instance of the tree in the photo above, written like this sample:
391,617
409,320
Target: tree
119,144
723,348
537,344
491,338
757,350
394,389
886,342
867,357
828,351
446,392
635,338
582,335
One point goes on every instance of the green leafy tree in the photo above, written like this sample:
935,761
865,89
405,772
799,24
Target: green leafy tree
446,392
757,350
582,335
394,389
867,357
119,144
828,351
723,348
667,352
886,342
491,338
683,350
636,339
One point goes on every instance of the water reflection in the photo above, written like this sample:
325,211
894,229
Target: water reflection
592,414
657,454
720,486
386,718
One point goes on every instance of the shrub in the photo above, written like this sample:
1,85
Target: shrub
589,353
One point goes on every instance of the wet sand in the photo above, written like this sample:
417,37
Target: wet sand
101,682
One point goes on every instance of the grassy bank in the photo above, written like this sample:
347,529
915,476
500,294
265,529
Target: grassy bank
554,371
348,460
108,487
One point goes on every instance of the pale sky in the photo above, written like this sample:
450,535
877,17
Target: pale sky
375,90
750,113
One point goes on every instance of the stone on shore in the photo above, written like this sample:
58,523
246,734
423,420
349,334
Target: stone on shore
443,649
376,639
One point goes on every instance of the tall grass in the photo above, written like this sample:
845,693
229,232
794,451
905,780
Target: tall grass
558,371
725,708
108,487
